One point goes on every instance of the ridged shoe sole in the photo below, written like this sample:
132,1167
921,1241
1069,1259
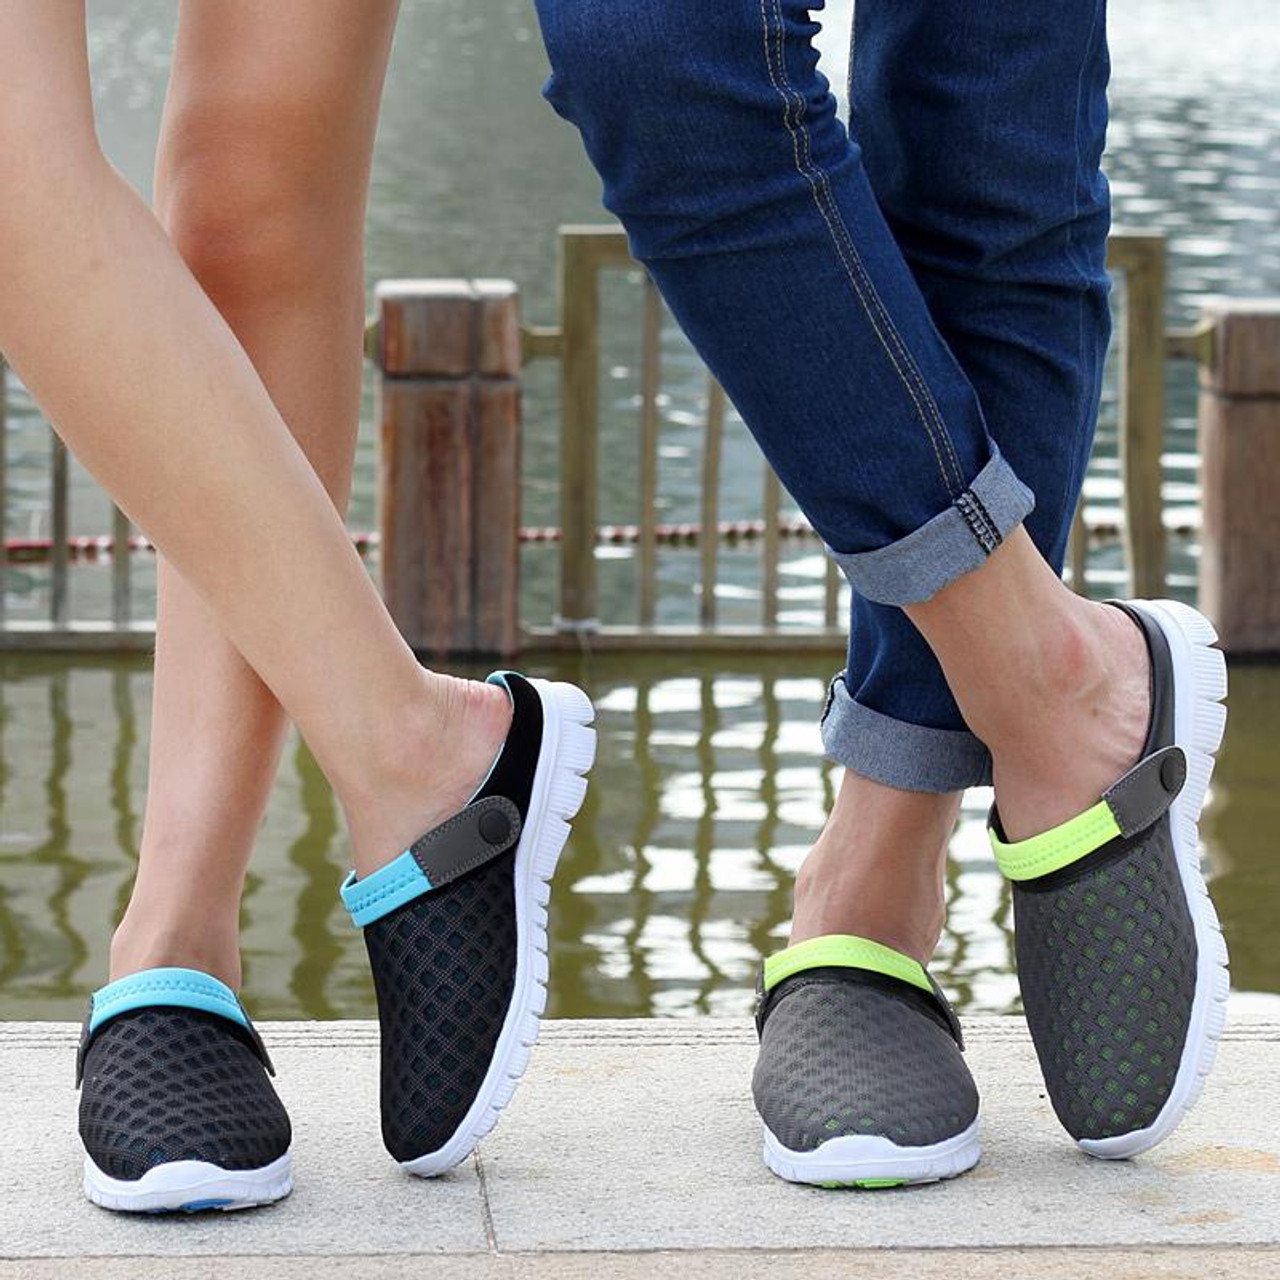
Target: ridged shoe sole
871,1162
559,787
189,1186
1200,684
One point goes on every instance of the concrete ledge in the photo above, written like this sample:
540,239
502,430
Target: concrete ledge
632,1151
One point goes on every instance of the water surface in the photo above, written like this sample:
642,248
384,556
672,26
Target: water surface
709,786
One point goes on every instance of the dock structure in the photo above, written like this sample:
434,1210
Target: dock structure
449,362
632,1151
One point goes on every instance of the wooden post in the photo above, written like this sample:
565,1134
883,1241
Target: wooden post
1142,408
1240,476
449,407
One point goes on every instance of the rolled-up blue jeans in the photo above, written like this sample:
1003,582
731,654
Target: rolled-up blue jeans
910,313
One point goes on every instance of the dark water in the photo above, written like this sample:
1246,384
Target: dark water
709,785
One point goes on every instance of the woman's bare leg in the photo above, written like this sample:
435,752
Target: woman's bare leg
261,182
147,383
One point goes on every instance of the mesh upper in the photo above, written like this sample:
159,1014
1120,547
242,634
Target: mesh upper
444,971
840,1058
175,1084
1107,966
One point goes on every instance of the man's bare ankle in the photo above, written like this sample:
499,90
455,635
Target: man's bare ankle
876,870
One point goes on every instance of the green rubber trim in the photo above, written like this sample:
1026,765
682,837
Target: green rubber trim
864,1184
843,950
1058,847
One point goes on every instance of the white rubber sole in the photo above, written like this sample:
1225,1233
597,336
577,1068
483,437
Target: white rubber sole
559,787
873,1162
189,1186
1200,684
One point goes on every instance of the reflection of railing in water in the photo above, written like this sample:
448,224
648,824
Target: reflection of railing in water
586,254
677,878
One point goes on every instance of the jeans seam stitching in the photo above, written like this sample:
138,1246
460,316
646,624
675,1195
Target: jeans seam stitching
794,132
903,350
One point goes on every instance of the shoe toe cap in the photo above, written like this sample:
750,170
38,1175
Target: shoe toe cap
837,1059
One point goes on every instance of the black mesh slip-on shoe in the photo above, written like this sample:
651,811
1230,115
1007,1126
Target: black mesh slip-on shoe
176,1110
861,1079
1121,960
456,929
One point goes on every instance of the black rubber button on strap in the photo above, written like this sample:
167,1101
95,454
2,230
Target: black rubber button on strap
495,827
1171,773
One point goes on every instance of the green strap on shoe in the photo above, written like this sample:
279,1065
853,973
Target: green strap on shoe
842,950
1132,805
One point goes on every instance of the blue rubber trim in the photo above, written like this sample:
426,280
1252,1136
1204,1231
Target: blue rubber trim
170,988
388,888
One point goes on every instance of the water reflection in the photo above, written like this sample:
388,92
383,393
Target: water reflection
709,789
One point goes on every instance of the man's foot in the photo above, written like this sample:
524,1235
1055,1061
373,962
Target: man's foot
1121,959
1094,697
456,929
176,1110
861,1080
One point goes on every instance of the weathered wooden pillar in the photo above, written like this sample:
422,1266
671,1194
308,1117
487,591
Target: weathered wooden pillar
1240,476
449,407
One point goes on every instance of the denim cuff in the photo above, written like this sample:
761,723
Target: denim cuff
907,756
953,543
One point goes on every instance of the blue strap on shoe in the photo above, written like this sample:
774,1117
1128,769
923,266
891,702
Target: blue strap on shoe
167,988
473,836
386,889
173,988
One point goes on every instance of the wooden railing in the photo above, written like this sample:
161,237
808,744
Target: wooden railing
587,253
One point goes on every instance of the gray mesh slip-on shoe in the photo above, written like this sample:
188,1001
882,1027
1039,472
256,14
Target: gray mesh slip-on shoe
456,930
861,1079
176,1108
1121,959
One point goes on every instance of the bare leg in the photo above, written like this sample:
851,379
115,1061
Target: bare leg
147,383
261,181
1055,685
877,870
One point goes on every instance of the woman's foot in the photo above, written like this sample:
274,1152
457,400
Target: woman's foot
157,934
428,764
456,925
176,1108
